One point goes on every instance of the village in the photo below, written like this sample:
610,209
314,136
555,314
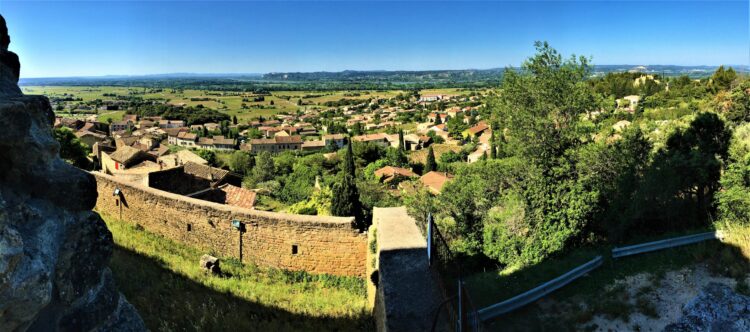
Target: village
144,149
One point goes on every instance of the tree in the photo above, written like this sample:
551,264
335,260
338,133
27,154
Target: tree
345,200
264,169
431,164
722,79
234,119
241,162
733,201
493,147
208,156
438,119
71,148
738,110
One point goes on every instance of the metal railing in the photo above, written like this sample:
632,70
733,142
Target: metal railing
542,290
448,274
538,292
664,244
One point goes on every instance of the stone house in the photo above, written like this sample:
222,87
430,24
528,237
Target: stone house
273,145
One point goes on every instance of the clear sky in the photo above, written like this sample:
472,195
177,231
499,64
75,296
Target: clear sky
91,38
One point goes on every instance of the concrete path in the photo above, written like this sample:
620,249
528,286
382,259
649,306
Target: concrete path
407,296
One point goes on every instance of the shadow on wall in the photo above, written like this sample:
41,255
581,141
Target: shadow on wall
169,301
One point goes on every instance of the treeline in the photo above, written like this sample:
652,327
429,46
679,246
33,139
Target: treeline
191,115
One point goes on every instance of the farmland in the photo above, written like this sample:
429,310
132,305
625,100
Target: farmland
230,103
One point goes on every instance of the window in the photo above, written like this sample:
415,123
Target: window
189,227
294,249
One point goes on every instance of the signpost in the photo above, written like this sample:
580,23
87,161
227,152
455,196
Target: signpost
238,225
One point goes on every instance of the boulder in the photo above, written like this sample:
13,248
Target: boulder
54,250
717,308
210,263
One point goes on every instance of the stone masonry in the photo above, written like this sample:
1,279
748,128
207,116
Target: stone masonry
316,244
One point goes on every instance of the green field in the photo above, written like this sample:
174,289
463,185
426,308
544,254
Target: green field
161,278
226,102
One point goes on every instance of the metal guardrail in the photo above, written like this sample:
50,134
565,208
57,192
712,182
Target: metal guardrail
664,244
521,300
538,292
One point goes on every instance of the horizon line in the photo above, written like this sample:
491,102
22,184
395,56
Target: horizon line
746,66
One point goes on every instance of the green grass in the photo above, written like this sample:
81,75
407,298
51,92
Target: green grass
161,278
114,115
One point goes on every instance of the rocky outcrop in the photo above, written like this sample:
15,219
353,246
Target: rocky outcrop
53,249
716,308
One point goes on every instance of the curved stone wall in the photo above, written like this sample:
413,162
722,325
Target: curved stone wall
315,244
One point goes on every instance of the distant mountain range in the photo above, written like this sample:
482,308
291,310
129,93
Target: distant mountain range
353,77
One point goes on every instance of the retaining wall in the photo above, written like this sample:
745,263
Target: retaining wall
328,245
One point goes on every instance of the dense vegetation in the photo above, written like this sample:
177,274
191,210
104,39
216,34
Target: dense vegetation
564,176
191,115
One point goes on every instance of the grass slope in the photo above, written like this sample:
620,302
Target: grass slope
161,278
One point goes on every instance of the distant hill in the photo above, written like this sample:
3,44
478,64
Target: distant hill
349,79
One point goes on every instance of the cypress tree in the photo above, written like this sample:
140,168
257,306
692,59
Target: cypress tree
431,164
345,201
493,147
349,160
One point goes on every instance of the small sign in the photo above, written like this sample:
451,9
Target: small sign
236,224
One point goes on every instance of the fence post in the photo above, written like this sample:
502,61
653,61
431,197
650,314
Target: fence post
460,322
429,239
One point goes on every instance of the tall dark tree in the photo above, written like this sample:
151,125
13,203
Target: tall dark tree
431,164
345,201
234,119
493,147
349,167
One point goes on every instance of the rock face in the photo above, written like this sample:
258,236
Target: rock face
53,249
716,308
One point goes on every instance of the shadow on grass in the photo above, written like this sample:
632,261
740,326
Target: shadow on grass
721,259
169,301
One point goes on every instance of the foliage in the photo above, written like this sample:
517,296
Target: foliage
241,162
431,164
346,200
738,110
209,156
298,182
318,204
191,115
733,202
264,169
71,148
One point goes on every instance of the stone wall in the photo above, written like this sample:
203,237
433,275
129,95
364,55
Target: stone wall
328,245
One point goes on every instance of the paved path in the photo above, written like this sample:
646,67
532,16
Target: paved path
407,295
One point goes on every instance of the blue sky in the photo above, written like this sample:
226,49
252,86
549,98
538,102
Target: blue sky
65,38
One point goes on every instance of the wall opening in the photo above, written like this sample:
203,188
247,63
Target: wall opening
189,227
294,249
